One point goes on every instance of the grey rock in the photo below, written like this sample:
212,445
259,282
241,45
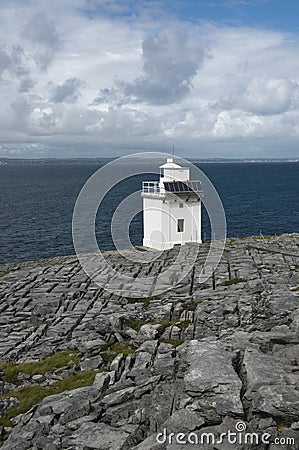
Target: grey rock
272,387
183,420
210,370
91,345
147,333
7,403
121,396
101,381
239,359
98,436
91,363
38,378
23,377
277,401
295,426
117,365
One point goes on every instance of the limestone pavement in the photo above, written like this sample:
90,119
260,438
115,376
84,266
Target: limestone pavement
197,358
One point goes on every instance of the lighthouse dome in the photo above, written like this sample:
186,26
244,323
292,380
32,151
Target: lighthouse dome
170,165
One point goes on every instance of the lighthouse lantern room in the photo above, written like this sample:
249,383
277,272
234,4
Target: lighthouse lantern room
171,208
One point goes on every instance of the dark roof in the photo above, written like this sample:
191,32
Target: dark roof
182,186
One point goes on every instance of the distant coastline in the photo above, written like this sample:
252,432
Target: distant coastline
104,160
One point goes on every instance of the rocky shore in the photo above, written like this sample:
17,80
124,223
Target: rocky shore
83,369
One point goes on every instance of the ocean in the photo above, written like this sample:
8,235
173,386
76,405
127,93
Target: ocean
37,202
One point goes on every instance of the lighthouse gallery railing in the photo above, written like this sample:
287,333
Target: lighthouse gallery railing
151,187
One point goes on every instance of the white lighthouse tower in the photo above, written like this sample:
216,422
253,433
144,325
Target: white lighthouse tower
171,208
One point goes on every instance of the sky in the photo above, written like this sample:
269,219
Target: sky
93,78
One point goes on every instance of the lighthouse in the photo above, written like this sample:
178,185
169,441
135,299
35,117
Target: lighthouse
171,208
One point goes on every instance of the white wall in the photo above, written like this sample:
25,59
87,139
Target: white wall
160,222
176,174
152,222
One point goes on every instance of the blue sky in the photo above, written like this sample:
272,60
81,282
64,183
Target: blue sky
111,77
273,14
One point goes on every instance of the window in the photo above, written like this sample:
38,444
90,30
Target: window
180,225
181,205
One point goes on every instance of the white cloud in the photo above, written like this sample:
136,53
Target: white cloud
271,96
76,77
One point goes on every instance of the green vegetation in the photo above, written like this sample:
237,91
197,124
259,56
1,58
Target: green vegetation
174,278
74,381
234,281
173,342
146,301
110,350
282,425
131,323
2,274
58,360
29,396
182,324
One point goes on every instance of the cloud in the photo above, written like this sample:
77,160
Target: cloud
270,96
79,79
26,84
4,60
12,60
170,61
67,92
43,35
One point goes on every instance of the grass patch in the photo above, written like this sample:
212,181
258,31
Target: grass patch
108,357
74,381
59,359
174,278
182,324
173,342
146,301
234,281
131,323
110,350
29,396
282,425
2,274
